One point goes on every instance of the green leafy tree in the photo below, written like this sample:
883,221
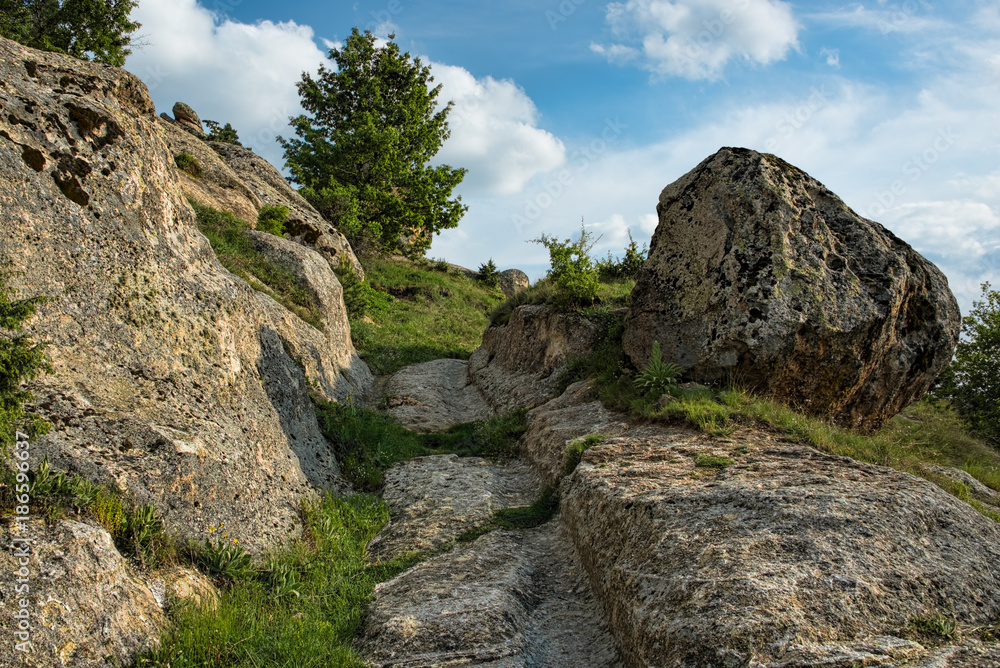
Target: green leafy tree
973,380
21,359
98,30
226,133
374,124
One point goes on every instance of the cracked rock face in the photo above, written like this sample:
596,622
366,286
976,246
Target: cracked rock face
758,273
174,382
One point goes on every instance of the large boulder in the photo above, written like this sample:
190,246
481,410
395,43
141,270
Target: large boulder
513,281
188,118
174,381
760,275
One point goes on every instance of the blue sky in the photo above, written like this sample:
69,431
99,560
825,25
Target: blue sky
570,110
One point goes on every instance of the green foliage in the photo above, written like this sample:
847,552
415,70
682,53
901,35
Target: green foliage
713,461
236,252
658,376
373,127
404,314
488,274
572,270
271,219
538,513
367,442
21,359
96,30
224,558
226,133
627,267
974,383
188,163
302,606
578,446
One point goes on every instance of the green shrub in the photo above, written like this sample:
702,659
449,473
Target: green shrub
572,270
973,380
188,163
488,274
628,266
225,134
271,219
658,376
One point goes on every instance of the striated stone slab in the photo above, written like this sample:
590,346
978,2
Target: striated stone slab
433,396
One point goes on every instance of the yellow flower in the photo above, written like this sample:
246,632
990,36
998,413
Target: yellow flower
211,529
236,540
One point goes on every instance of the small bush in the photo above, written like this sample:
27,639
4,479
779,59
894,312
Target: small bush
628,266
572,270
488,274
658,376
188,163
271,219
225,134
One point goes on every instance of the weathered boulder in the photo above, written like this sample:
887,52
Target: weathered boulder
304,225
433,396
85,603
188,118
759,274
513,281
782,557
174,382
218,186
521,364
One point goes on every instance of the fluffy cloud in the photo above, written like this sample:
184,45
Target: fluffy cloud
695,39
494,133
227,71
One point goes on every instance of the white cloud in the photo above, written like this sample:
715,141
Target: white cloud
906,17
696,39
227,71
494,132
832,57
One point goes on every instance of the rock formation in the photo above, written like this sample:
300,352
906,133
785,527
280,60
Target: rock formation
175,382
513,281
188,119
760,275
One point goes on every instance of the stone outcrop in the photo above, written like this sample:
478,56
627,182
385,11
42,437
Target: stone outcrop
513,281
786,557
188,118
85,601
434,500
514,599
175,382
520,364
304,225
218,186
758,274
433,396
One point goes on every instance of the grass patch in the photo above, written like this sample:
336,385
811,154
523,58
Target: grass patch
713,461
260,622
405,313
610,295
522,517
237,253
367,442
576,448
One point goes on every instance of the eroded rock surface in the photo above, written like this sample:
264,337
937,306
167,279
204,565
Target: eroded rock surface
174,381
512,599
513,281
520,364
433,396
434,500
304,225
85,601
783,558
758,273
